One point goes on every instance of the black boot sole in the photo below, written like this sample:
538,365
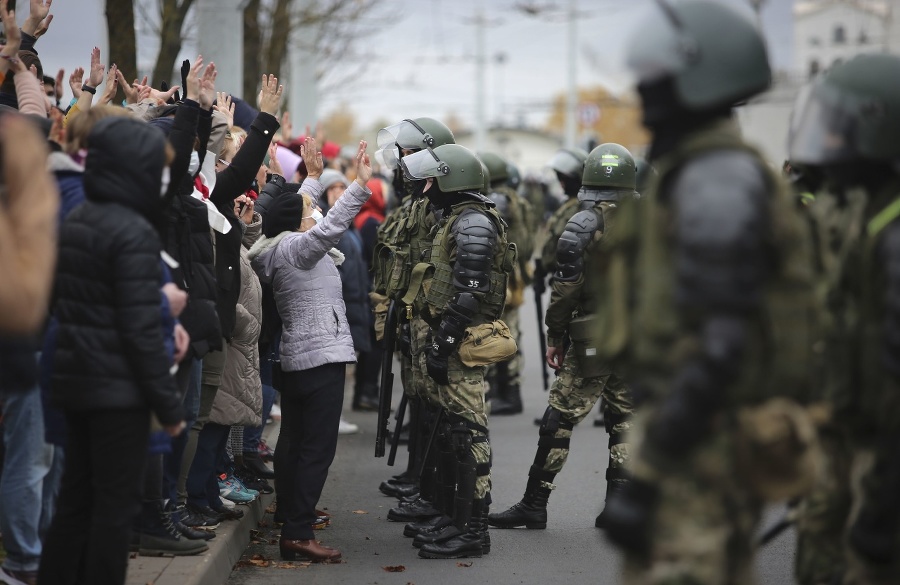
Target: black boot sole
528,525
475,554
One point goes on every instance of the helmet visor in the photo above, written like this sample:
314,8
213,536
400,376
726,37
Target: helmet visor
824,127
388,157
407,134
424,164
565,162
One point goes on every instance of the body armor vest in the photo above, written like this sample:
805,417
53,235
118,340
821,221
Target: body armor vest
639,323
401,245
437,288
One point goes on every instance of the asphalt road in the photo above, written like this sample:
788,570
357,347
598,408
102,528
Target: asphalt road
569,551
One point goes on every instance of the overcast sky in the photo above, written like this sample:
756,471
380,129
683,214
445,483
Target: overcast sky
422,62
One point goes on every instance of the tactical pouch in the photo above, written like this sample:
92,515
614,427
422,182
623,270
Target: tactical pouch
380,306
515,289
582,332
487,344
778,451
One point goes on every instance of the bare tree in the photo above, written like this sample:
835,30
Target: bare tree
122,41
253,43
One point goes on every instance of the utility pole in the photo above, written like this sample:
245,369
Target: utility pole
480,83
304,94
572,93
227,51
757,9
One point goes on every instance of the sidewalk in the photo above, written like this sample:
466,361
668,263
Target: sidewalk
214,566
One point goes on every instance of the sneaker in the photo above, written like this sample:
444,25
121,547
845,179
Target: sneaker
231,489
275,413
18,577
201,518
242,487
252,481
265,452
227,503
347,428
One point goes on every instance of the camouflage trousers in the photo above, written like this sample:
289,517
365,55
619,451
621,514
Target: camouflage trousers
463,397
511,369
822,515
704,521
575,396
864,478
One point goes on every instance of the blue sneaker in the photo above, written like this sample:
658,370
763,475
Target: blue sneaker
231,491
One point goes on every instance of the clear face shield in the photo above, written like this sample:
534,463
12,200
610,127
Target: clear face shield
824,125
565,162
407,135
424,164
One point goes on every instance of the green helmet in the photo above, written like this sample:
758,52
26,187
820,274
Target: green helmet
454,167
515,177
496,166
609,166
411,134
715,56
569,161
486,189
848,114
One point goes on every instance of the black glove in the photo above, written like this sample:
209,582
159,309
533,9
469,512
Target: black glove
437,365
404,339
628,516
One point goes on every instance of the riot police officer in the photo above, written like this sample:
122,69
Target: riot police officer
401,239
709,293
609,177
505,377
844,133
460,285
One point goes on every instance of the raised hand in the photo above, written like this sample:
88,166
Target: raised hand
270,94
97,69
162,97
274,165
76,80
287,129
132,91
112,85
13,34
208,86
57,88
363,165
192,80
39,18
225,107
313,158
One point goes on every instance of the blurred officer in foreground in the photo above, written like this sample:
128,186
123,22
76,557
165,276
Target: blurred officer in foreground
845,131
709,292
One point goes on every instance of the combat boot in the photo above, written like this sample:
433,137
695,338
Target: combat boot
415,511
461,540
614,490
530,512
159,536
510,401
485,533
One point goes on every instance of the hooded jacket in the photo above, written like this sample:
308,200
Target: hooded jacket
307,287
110,350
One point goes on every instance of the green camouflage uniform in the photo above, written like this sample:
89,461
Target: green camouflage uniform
555,227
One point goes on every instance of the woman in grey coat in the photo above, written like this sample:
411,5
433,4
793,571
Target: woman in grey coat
296,257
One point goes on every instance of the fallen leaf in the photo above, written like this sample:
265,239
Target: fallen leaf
271,508
360,512
394,568
302,565
262,524
463,564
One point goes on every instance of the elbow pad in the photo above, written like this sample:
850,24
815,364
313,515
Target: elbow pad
460,312
573,243
476,238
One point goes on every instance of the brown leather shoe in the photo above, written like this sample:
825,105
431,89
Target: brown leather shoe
308,550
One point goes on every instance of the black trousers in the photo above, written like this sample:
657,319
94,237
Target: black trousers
99,497
310,413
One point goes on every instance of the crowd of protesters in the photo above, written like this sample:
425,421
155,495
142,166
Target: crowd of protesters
172,259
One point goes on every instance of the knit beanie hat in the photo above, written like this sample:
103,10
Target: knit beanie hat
284,215
332,177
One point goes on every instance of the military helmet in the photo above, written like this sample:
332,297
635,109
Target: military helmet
486,189
569,161
715,56
850,113
609,166
411,134
454,167
515,177
496,166
645,172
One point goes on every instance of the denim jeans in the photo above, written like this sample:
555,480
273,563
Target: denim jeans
30,480
252,435
172,462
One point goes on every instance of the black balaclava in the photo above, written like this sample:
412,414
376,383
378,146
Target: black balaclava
571,184
668,119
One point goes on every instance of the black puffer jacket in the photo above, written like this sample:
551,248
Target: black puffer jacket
110,351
